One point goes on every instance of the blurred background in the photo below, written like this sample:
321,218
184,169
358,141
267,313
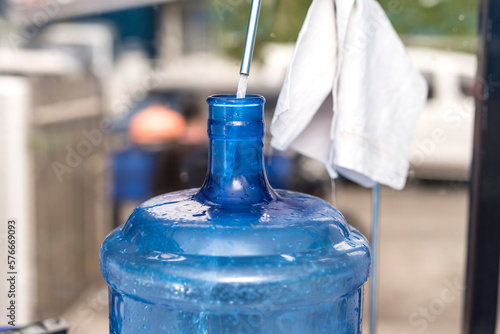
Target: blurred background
102,105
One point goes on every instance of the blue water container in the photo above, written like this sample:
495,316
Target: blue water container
235,256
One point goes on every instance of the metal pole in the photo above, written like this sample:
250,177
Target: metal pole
253,20
375,248
481,295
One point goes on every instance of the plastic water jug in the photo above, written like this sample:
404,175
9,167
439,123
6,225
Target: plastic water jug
235,256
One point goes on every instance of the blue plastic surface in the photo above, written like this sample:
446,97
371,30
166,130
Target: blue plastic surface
235,256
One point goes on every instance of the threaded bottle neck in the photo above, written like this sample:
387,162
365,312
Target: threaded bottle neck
236,172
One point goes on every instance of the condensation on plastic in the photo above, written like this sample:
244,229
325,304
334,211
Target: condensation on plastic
235,256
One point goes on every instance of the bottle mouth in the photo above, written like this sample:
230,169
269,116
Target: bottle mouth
229,109
232,100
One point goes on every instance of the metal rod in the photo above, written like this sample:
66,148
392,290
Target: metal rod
253,20
375,247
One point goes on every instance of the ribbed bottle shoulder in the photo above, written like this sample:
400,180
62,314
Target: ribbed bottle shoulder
180,248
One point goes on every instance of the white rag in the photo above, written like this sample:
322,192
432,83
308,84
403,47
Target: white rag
348,48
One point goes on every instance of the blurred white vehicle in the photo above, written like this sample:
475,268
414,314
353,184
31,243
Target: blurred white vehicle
442,147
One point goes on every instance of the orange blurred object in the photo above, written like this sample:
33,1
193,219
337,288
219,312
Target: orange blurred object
156,124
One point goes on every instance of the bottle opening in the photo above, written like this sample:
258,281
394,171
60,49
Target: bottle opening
232,99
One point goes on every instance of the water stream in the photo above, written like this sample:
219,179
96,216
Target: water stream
242,86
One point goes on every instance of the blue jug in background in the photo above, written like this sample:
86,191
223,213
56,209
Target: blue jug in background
235,256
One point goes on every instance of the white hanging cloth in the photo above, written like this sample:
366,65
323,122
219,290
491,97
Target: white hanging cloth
349,49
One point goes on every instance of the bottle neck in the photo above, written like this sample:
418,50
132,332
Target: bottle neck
236,172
